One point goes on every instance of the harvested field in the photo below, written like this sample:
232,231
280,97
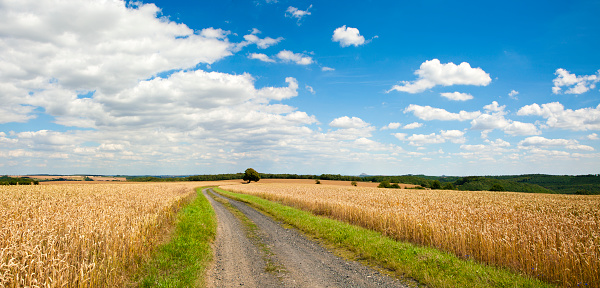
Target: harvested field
78,235
553,237
324,182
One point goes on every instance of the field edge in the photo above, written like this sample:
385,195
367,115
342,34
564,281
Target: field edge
184,259
427,266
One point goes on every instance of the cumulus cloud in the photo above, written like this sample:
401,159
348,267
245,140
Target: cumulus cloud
454,136
310,89
214,33
104,45
327,69
130,78
488,151
413,125
261,57
537,142
294,12
513,94
558,117
422,139
433,73
392,126
576,84
298,58
348,36
457,96
429,113
263,43
346,122
593,136
494,118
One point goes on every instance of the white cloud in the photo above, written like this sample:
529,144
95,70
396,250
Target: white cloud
513,94
346,122
433,73
537,142
593,136
490,150
214,33
422,139
298,58
310,89
392,126
261,57
577,84
413,125
494,118
457,96
428,113
454,136
294,12
260,43
100,38
105,46
400,136
494,107
284,56
557,117
348,36
520,128
327,69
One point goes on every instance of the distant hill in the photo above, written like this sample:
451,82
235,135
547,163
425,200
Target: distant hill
564,184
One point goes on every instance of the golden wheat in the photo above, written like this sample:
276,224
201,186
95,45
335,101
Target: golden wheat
553,237
78,235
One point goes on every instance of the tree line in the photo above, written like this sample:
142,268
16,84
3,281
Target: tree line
531,183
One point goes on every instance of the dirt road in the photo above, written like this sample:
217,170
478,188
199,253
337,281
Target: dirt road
270,255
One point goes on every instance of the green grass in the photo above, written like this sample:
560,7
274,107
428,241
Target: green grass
183,260
427,266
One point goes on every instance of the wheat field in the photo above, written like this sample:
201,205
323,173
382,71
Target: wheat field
552,237
78,235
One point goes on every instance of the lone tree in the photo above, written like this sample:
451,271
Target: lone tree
251,175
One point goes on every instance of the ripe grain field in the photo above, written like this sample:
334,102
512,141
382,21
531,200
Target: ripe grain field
78,235
552,237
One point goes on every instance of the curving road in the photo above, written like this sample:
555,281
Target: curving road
274,256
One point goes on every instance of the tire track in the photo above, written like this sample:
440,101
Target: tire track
305,262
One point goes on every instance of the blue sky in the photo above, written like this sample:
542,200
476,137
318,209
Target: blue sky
376,87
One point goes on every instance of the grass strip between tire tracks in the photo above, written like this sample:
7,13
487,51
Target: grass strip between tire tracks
427,266
183,260
252,232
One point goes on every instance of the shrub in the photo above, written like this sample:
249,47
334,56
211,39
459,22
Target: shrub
353,183
384,184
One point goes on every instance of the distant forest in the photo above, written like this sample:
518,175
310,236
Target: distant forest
531,183
5,180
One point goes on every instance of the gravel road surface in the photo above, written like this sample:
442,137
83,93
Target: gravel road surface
277,256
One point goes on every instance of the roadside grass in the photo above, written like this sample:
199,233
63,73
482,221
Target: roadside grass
428,266
183,260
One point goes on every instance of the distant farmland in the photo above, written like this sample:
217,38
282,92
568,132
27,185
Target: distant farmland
70,178
552,237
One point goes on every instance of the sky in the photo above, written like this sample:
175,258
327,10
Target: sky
306,87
